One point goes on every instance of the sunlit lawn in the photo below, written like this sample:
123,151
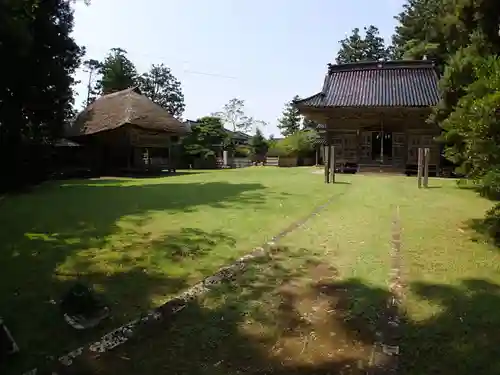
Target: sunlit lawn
312,308
138,241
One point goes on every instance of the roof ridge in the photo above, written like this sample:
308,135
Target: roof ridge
128,109
381,65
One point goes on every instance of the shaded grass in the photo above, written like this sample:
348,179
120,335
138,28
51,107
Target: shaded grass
287,315
451,305
340,261
138,241
450,311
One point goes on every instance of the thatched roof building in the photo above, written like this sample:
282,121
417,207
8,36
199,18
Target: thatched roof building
126,107
126,130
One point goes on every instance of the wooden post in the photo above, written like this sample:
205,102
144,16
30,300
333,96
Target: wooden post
332,163
420,166
225,158
427,154
327,164
317,155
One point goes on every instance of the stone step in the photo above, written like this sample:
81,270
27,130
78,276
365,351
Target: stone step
377,168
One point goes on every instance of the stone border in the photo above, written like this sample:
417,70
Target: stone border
124,333
389,334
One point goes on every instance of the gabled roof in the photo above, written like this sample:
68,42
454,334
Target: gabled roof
238,134
377,84
120,108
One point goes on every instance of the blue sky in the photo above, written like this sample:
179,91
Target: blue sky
261,51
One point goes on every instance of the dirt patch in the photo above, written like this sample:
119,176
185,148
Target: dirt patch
314,328
302,324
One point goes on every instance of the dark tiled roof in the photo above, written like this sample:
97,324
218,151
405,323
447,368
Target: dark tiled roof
238,135
378,84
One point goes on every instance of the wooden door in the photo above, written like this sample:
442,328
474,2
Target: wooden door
398,148
366,147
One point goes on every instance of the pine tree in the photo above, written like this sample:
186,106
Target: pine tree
259,144
290,120
39,59
355,48
117,72
160,85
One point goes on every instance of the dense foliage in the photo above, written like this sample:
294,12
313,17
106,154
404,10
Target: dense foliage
160,85
300,143
258,144
463,38
117,72
475,120
35,40
357,48
207,136
291,119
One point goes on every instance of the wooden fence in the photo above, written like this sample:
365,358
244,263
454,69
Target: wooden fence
272,161
240,162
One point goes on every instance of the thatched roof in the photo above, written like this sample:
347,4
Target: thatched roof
121,108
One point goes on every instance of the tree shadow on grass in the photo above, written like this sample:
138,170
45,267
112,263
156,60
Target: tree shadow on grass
240,330
462,339
42,232
234,332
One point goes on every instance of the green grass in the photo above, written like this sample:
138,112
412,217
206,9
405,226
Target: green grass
452,273
273,319
138,241
450,307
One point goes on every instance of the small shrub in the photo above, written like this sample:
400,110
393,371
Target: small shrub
242,152
492,223
490,184
298,144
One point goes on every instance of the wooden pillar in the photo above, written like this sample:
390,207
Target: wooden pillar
427,155
420,166
406,147
332,163
381,142
225,158
327,164
317,155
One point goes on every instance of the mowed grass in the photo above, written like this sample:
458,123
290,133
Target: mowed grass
313,307
137,241
452,273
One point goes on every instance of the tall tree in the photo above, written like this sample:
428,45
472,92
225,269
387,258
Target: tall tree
290,120
117,72
456,34
160,85
475,122
233,116
419,31
355,48
258,144
36,37
91,67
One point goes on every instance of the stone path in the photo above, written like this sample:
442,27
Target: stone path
389,334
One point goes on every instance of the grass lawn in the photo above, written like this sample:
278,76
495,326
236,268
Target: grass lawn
312,308
138,241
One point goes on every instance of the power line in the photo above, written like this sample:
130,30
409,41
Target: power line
104,50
